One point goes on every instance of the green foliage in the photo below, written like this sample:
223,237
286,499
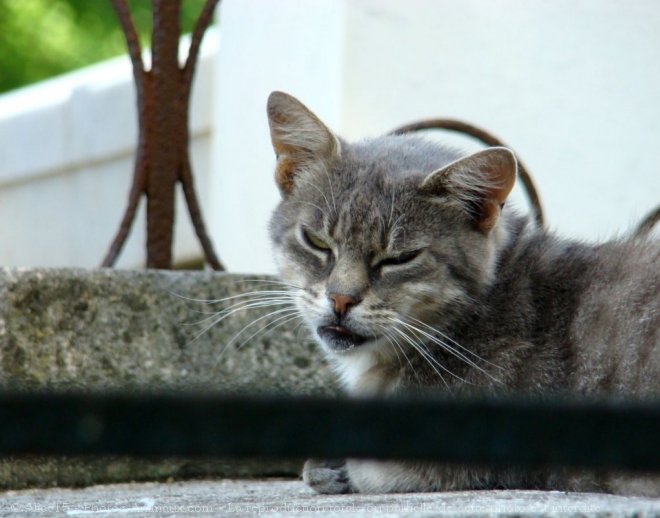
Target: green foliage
43,38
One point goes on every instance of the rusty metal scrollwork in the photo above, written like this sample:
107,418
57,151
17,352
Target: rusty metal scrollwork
163,160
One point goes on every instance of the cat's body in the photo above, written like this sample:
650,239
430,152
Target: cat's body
547,319
412,279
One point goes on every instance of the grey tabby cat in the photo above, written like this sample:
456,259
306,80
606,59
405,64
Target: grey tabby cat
413,278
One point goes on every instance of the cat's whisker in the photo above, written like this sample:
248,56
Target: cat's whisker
388,336
396,348
303,180
396,229
332,192
300,328
257,280
397,345
431,361
447,348
428,358
439,342
278,296
215,318
222,315
245,304
392,204
288,311
454,342
234,297
311,204
268,328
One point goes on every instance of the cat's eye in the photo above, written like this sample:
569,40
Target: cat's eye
315,241
400,259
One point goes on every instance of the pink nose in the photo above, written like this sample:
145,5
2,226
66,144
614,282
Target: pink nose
342,303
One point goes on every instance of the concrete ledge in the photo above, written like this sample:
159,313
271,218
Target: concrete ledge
65,140
70,329
106,329
292,498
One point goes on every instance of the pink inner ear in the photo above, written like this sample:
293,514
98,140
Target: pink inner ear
489,214
284,173
500,169
503,175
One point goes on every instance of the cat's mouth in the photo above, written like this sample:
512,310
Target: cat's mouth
340,338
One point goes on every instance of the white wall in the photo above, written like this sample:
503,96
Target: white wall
572,85
291,45
569,84
66,165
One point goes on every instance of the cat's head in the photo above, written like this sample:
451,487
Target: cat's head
384,235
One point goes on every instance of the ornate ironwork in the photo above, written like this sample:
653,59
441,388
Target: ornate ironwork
488,139
163,159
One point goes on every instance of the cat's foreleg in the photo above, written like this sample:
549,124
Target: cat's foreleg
391,477
327,476
361,476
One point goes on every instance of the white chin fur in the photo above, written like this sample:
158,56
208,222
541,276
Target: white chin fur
365,370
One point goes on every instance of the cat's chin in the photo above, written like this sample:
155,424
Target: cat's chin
340,339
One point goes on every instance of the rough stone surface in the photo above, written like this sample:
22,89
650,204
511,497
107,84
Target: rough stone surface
109,329
106,329
283,498
70,329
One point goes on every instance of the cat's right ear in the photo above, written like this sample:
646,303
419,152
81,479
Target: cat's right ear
299,138
480,182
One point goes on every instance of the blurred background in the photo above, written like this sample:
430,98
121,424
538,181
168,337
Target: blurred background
45,38
571,85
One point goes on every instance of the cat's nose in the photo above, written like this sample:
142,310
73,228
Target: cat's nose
342,303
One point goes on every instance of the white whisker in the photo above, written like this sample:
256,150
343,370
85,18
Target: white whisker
389,222
446,347
446,337
332,192
288,312
238,296
250,304
310,203
268,328
397,345
222,315
428,357
256,280
303,180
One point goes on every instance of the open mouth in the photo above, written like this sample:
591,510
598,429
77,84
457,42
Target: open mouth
340,338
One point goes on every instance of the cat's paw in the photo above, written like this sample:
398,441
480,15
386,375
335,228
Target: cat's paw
327,476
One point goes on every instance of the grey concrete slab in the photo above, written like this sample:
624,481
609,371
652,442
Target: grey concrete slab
71,329
108,330
112,329
282,498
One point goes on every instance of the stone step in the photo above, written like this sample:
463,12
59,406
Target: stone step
284,498
84,330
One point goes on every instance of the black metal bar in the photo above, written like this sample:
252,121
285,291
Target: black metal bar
527,433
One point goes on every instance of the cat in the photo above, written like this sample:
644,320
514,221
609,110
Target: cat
414,277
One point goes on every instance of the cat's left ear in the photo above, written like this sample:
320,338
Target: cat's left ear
299,139
481,182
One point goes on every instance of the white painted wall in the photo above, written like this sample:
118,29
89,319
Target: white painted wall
290,45
572,85
66,165
569,84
